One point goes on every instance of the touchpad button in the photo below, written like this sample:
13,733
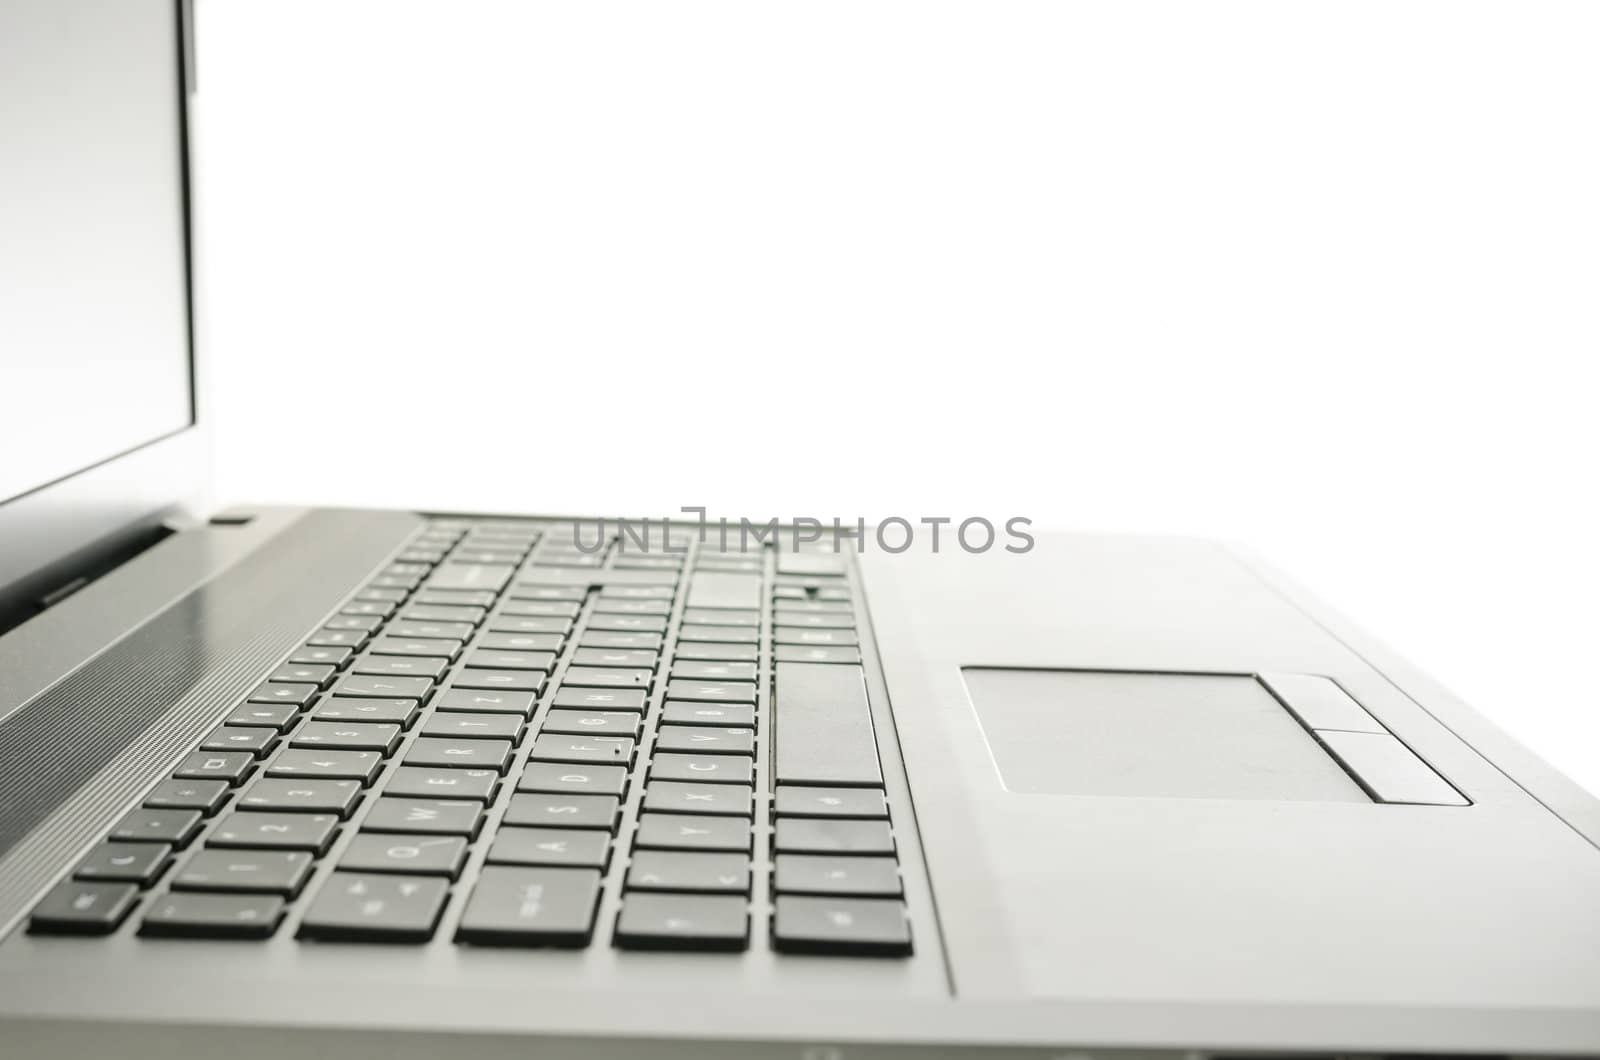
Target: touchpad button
1117,733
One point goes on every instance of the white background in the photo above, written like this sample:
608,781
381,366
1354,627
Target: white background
1320,278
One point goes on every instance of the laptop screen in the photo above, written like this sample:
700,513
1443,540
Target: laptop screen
94,304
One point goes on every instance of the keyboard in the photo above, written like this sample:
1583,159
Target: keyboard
511,719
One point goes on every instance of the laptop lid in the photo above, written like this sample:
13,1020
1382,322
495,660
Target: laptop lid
99,421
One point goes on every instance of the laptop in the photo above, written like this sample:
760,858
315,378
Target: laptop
355,783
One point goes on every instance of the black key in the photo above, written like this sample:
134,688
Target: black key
275,831
480,701
647,563
622,591
279,716
78,907
318,674
423,612
369,906
532,626
553,747
570,779
460,754
531,907
207,796
718,652
667,796
426,783
419,647
563,811
489,577
695,739
231,766
424,816
815,637
813,835
369,686
797,653
262,871
215,916
536,642
600,698
487,555
712,691
824,727
337,638
831,802
568,559
809,874
790,620
476,598
606,606
452,630
810,607
719,634
713,671
441,855
176,827
602,722
673,870
321,654
338,797
363,623
615,657
596,677
729,715
348,735
399,712
628,623
548,608
671,831
139,863
476,726
550,846
682,922
716,590
705,616
429,556
481,659
867,926
711,769
338,765
500,680
297,693
380,608
605,639
399,666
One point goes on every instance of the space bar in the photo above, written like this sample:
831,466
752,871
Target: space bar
823,731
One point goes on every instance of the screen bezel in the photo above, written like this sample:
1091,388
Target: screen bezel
51,529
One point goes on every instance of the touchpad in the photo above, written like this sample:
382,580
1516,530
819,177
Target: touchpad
1189,736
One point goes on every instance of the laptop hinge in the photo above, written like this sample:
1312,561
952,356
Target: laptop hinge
61,580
